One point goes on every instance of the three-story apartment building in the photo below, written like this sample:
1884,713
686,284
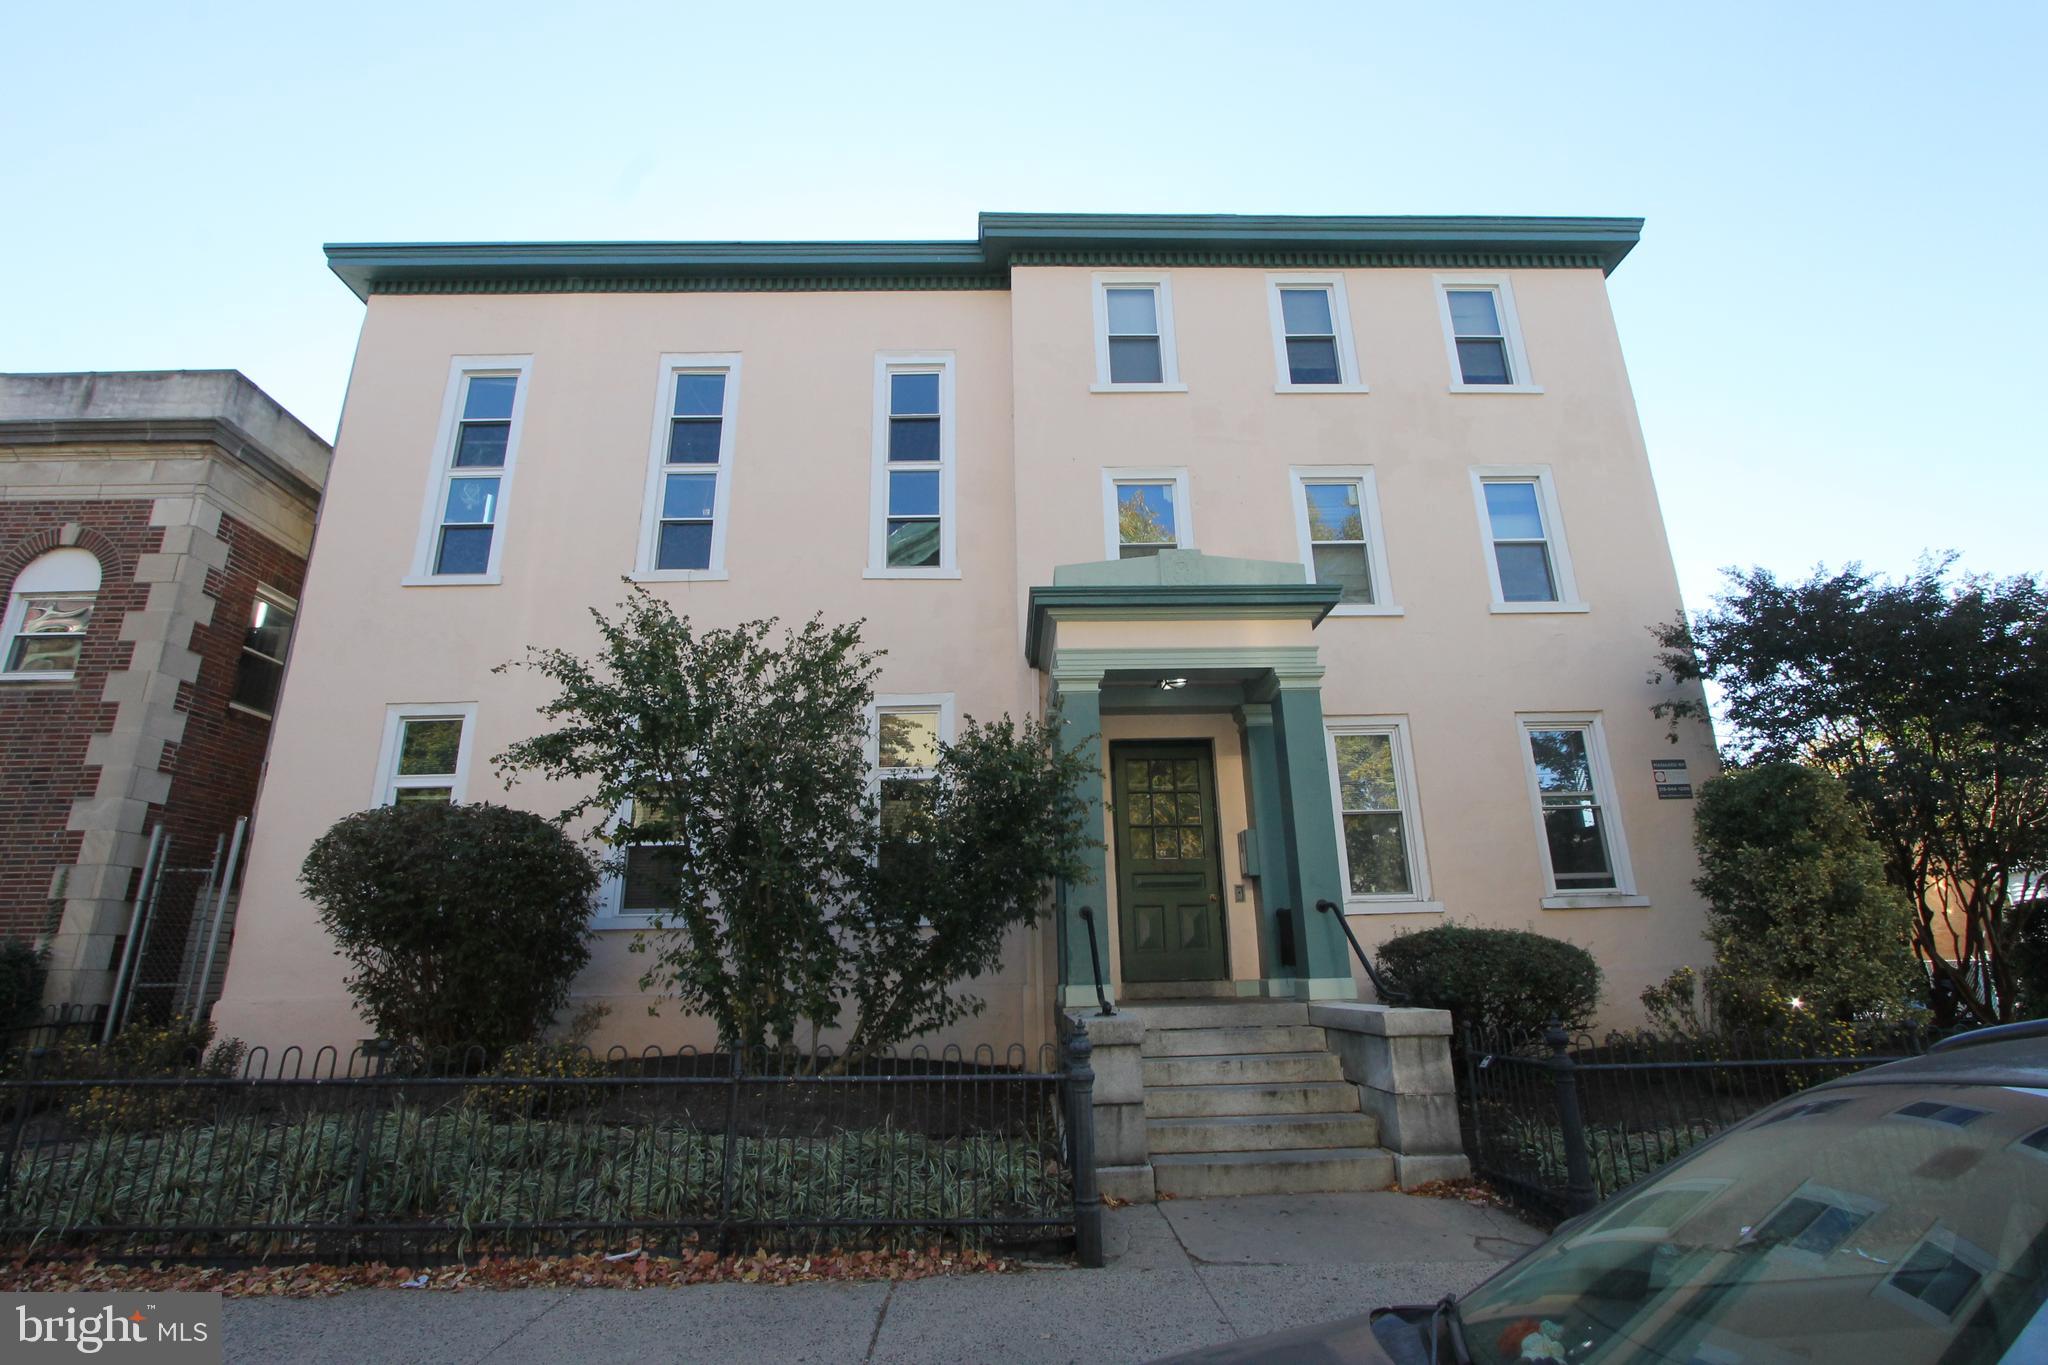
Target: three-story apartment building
1334,538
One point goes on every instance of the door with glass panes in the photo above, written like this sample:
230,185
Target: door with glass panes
1169,881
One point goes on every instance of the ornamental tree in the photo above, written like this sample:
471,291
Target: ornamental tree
1927,697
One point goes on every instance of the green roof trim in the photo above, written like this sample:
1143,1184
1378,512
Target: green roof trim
1004,241
1193,601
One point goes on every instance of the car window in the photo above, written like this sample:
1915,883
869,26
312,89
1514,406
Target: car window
1903,1224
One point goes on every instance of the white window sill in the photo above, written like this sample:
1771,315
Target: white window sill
38,677
1366,609
450,580
1321,388
1137,388
680,576
612,923
1539,608
1496,388
1595,900
910,573
1355,906
249,711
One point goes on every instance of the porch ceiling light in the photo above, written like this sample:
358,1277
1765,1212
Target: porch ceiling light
1172,684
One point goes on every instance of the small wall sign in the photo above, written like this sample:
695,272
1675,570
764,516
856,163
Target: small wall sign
1670,776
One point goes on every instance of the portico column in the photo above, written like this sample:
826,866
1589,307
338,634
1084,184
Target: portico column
1078,694
1324,955
1276,867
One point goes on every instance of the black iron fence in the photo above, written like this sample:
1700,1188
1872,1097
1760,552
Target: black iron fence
1559,1123
405,1158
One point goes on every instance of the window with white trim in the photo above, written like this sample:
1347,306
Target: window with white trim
904,751
1373,778
913,535
426,753
1337,522
1134,346
1939,1277
1527,564
649,836
462,531
1813,1222
682,533
1482,335
264,648
1312,347
48,611
1145,511
1573,787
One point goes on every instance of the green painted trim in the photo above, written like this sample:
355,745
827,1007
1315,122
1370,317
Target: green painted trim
1289,662
1303,752
1172,602
1002,240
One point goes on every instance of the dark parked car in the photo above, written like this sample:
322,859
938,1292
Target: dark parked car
1895,1217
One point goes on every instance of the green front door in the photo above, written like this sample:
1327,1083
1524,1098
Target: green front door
1169,884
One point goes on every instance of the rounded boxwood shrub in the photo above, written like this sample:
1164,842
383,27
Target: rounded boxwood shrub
463,925
1495,981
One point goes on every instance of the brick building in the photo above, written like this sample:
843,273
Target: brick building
154,529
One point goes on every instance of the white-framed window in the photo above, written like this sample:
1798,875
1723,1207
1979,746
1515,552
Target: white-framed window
645,883
903,747
689,469
426,752
1483,335
1134,350
1939,1277
1812,1224
1312,346
1145,511
462,526
1571,787
911,528
1372,779
48,611
1337,525
265,646
1527,563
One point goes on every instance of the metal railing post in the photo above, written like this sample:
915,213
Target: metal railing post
726,1174
24,1101
1080,1087
1386,993
1095,962
1580,1194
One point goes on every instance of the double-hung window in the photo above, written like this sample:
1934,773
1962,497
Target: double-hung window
689,477
908,730
1526,560
913,535
1312,347
1374,781
1482,335
462,539
43,633
426,753
1337,521
1134,333
1573,788
264,647
646,883
1145,511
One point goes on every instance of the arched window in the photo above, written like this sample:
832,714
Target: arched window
47,614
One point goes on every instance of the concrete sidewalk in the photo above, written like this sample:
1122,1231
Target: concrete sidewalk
1187,1273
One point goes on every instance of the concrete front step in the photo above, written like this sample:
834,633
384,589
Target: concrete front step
1217,1042
1251,1068
1195,1175
1136,991
1217,1013
1201,1101
1261,1132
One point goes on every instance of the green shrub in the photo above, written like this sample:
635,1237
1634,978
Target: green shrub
1496,981
181,1047
23,967
463,925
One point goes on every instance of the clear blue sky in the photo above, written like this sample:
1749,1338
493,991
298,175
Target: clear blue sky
1835,322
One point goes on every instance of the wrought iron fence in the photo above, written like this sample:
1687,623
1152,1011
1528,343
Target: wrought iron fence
1561,1122
392,1156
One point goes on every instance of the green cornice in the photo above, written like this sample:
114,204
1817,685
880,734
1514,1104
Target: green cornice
1171,602
1005,241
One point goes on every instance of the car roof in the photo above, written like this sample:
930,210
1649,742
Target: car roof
2019,1058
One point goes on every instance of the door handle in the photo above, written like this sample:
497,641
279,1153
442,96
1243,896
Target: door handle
1212,895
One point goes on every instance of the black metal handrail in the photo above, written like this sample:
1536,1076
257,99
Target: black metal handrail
1379,983
1095,963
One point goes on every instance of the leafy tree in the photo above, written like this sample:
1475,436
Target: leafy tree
23,968
1805,926
463,925
1928,698
792,887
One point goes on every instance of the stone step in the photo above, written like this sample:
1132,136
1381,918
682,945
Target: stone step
1136,991
1199,1101
1195,1175
1252,1068
1218,1013
1261,1132
1218,1042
